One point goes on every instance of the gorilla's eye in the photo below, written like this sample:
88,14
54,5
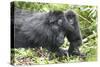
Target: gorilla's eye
60,21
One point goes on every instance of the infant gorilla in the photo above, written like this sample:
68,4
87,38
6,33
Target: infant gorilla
47,29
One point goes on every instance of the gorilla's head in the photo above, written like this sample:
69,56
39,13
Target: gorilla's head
59,18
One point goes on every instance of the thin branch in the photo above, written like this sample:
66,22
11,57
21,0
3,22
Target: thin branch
83,18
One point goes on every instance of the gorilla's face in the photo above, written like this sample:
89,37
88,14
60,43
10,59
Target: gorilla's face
61,21
71,17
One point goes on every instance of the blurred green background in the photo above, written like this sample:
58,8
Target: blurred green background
87,16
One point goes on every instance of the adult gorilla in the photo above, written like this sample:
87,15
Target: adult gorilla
47,29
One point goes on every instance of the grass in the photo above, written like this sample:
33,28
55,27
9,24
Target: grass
30,56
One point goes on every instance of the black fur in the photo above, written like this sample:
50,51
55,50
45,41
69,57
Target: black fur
47,29
74,37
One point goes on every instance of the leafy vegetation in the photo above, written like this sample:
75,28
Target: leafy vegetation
88,23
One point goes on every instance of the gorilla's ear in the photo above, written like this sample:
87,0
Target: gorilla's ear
54,16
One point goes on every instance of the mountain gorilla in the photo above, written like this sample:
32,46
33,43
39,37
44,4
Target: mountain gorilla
47,29
74,37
